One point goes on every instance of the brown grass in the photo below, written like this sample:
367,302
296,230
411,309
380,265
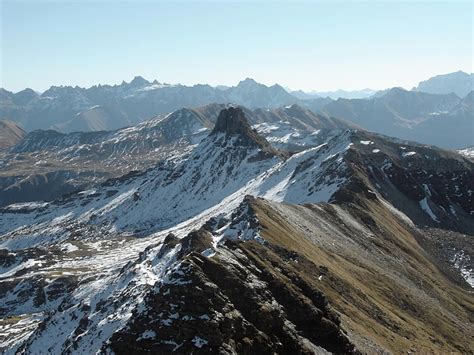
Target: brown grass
400,301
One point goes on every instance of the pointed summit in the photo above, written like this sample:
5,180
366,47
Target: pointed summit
232,122
247,82
139,81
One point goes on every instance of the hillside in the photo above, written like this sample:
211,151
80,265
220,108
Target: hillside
10,134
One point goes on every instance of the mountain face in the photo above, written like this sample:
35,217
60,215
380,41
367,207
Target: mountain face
427,118
362,244
48,164
105,107
252,94
460,83
10,134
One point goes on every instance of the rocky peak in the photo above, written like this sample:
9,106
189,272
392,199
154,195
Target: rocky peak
232,122
139,81
248,82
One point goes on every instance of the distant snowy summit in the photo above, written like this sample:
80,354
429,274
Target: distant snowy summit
459,82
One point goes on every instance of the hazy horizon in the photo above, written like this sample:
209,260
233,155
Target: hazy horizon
310,46
311,91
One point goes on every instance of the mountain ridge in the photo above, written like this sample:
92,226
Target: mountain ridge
87,158
416,116
459,82
99,107
412,115
301,255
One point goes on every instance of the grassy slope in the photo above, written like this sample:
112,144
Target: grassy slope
385,287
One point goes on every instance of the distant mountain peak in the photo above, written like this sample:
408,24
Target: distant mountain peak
459,82
139,81
25,96
248,82
27,90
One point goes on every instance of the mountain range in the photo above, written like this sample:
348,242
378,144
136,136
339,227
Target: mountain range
431,113
102,107
47,164
357,243
444,120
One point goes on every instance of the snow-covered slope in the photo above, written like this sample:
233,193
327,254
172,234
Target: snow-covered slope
215,177
47,164
79,160
467,152
224,167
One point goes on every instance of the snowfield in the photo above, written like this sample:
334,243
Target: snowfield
214,179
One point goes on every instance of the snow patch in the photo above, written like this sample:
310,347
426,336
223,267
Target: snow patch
425,207
68,248
199,342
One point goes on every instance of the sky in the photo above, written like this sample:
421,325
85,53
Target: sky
308,45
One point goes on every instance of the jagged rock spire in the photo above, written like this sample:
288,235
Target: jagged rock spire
232,121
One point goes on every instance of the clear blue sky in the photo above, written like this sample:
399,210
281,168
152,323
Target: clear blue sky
304,45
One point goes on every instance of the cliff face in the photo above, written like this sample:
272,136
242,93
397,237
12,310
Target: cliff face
233,122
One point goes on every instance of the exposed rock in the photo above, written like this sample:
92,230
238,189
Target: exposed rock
232,121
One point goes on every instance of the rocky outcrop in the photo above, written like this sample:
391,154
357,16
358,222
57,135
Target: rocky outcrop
232,122
245,299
